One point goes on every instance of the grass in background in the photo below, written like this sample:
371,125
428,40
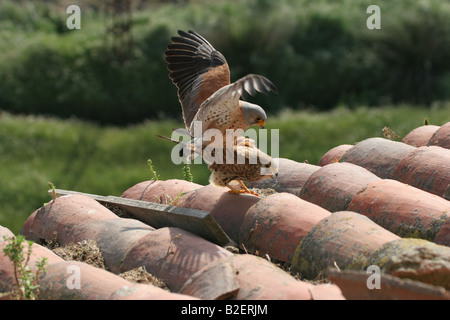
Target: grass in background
84,157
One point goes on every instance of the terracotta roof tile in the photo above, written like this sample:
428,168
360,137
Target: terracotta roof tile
275,225
5,232
96,284
441,137
427,168
334,186
334,154
260,280
419,137
354,287
292,176
402,209
379,156
345,239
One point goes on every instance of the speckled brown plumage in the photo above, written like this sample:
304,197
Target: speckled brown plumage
202,77
256,165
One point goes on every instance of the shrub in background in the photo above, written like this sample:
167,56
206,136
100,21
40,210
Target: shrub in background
319,54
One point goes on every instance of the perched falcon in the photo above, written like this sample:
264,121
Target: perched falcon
248,163
202,77
254,165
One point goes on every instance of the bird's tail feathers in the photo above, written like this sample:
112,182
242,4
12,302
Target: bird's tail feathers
188,151
182,131
167,138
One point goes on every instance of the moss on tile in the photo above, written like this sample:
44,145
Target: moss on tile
415,259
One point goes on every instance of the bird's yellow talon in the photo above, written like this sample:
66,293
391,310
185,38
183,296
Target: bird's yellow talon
243,190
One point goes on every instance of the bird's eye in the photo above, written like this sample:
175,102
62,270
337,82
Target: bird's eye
267,165
258,119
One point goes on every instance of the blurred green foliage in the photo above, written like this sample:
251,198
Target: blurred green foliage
319,54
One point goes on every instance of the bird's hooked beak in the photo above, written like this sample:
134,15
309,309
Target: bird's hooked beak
262,124
274,168
270,172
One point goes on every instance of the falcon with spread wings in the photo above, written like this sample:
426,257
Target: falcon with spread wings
202,77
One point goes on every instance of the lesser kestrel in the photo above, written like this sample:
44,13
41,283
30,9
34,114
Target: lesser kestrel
249,164
202,76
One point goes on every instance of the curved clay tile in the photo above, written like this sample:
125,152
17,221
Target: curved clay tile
379,156
345,239
226,208
414,259
160,191
426,168
276,225
5,233
334,155
261,280
333,186
55,220
175,256
292,175
96,284
402,209
441,137
443,236
7,270
171,254
420,136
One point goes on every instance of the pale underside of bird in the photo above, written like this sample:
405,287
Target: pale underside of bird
210,101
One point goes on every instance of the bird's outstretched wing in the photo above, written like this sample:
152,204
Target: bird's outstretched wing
223,102
250,84
197,70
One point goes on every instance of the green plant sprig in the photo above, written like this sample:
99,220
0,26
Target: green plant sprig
27,283
187,172
152,170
